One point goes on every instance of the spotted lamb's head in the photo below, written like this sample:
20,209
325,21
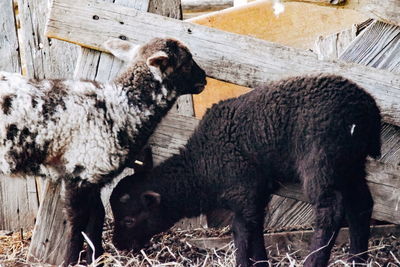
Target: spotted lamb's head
169,60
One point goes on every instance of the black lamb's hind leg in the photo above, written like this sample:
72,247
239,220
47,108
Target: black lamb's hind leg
328,217
358,205
77,206
94,228
319,179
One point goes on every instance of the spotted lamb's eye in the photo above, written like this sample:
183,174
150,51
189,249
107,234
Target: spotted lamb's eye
129,222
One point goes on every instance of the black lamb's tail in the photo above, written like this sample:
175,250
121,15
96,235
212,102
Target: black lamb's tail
374,148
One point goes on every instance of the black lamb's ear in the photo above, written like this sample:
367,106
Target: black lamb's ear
144,161
150,199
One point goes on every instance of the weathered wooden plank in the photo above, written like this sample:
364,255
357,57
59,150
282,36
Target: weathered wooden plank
205,5
49,235
378,47
19,203
298,241
226,56
287,212
42,57
332,46
18,200
9,49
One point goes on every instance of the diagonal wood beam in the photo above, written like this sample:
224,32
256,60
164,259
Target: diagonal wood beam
226,56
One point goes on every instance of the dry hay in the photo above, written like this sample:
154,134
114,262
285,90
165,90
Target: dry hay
172,249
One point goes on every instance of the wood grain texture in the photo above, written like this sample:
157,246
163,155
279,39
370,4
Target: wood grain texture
205,5
9,49
287,212
49,236
226,56
43,57
18,199
332,46
378,47
19,203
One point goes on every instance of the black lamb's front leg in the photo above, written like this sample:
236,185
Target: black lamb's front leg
79,202
249,241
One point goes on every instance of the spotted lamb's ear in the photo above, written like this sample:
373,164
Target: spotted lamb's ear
150,199
159,60
123,50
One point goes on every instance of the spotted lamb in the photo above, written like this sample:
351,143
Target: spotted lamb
84,133
316,131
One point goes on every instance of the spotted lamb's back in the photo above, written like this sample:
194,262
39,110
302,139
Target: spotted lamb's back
63,123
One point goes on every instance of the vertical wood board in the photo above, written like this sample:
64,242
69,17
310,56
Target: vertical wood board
9,49
43,57
18,199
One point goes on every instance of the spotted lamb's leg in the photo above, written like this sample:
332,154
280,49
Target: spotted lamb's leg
327,202
358,205
78,202
95,226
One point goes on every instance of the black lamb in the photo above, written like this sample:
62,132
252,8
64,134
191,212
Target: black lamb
316,131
